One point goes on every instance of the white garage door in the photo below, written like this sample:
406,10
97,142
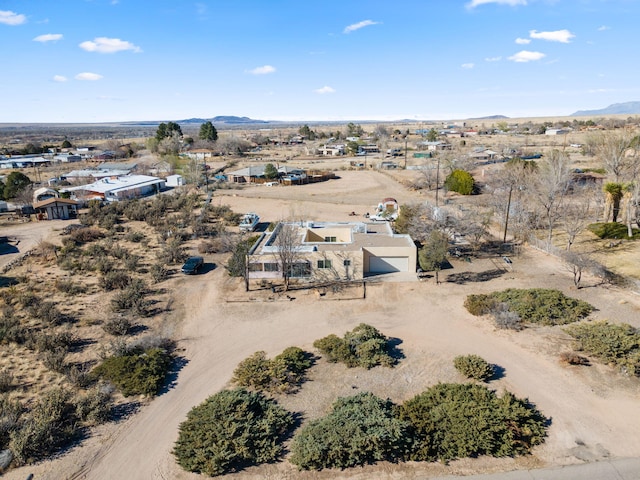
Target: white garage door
388,264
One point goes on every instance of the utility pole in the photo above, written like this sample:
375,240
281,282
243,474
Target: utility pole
405,151
437,177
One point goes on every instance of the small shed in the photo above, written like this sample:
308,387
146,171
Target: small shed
56,208
175,180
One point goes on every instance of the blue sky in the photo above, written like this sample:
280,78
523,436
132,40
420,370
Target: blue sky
126,60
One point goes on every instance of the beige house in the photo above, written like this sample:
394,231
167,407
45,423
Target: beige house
324,251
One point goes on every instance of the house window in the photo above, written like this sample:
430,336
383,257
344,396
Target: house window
271,267
324,263
330,239
346,263
298,270
255,267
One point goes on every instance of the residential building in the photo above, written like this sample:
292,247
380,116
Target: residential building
119,188
327,251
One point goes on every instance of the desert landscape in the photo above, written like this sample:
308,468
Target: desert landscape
216,325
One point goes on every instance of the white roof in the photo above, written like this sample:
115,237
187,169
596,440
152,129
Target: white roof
120,183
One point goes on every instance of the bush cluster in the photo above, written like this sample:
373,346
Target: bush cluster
474,366
132,298
613,231
536,305
52,423
460,181
231,430
445,422
283,374
137,372
611,343
364,346
451,421
359,430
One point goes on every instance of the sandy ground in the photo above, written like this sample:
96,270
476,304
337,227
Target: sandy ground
593,410
25,236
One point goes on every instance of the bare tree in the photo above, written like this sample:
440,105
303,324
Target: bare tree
288,243
577,263
615,150
550,186
574,218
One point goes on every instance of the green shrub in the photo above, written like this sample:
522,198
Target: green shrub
611,343
49,426
94,407
534,305
364,347
48,313
134,237
474,366
231,430
158,272
613,231
86,235
141,372
282,374
461,182
479,304
132,298
10,412
115,280
359,430
451,421
69,287
117,326
11,330
6,381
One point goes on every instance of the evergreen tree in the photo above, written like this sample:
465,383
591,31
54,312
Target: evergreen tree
208,132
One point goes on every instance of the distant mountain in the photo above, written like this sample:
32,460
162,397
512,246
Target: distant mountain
227,119
627,108
490,117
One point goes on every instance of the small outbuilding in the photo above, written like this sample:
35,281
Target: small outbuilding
175,180
56,208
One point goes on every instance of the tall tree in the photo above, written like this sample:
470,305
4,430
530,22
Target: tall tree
614,149
550,186
208,132
166,130
270,171
614,191
16,182
434,252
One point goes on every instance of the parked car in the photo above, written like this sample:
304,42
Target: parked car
192,265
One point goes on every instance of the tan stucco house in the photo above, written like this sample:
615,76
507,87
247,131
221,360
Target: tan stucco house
334,251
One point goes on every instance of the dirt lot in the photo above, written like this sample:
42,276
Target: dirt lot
592,408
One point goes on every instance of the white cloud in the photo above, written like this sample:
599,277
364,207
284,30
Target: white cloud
603,28
522,41
357,26
108,45
325,89
493,59
467,66
88,76
11,18
513,3
59,78
48,37
263,70
526,56
562,36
